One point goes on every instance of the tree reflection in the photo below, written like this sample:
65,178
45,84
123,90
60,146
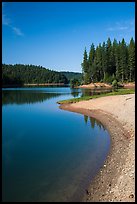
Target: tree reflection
93,122
74,92
95,91
22,97
86,118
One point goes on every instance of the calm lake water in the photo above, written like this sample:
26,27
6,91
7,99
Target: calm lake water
48,154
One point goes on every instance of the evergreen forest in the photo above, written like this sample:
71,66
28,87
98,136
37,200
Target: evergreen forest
30,74
109,61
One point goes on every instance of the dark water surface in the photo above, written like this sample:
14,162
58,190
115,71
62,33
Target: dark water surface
48,154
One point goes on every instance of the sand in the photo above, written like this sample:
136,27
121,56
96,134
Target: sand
105,85
96,85
116,179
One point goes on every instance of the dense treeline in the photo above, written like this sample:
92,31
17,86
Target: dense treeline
30,74
74,78
109,62
72,75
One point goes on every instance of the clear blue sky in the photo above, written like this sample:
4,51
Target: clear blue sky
55,34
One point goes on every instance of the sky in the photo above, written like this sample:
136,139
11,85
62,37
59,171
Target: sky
54,34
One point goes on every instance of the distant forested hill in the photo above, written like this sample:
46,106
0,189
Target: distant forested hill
72,75
30,74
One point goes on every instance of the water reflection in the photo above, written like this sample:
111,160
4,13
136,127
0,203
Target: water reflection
49,168
97,91
75,92
22,97
93,122
86,118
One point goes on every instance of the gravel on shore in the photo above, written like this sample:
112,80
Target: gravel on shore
116,179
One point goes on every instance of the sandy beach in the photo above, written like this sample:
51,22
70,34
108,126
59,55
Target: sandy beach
116,179
105,85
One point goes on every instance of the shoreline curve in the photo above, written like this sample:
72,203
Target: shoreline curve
116,179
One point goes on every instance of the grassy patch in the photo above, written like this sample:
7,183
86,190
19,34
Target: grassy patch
84,98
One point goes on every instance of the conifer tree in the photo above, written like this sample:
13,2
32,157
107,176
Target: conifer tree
131,60
85,68
91,60
110,61
118,62
109,57
123,59
114,50
104,60
98,63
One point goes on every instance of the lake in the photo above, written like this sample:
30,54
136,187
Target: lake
48,154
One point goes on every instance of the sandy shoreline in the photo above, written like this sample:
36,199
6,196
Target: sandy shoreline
105,85
116,179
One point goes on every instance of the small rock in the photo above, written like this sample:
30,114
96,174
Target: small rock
87,192
131,196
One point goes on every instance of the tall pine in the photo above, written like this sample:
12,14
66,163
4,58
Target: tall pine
131,60
123,60
98,63
109,57
104,60
118,75
114,50
91,60
109,61
85,68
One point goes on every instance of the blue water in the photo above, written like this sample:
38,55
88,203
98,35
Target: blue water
48,154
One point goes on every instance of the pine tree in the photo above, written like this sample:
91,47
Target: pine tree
118,62
123,59
109,57
104,60
98,63
114,50
91,60
109,62
85,68
131,60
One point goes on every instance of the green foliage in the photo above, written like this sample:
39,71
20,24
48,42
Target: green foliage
90,62
118,92
85,68
97,65
115,84
110,61
108,78
30,74
131,60
120,85
123,60
72,75
74,83
109,57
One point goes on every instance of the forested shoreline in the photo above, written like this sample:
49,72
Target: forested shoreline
109,62
20,74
